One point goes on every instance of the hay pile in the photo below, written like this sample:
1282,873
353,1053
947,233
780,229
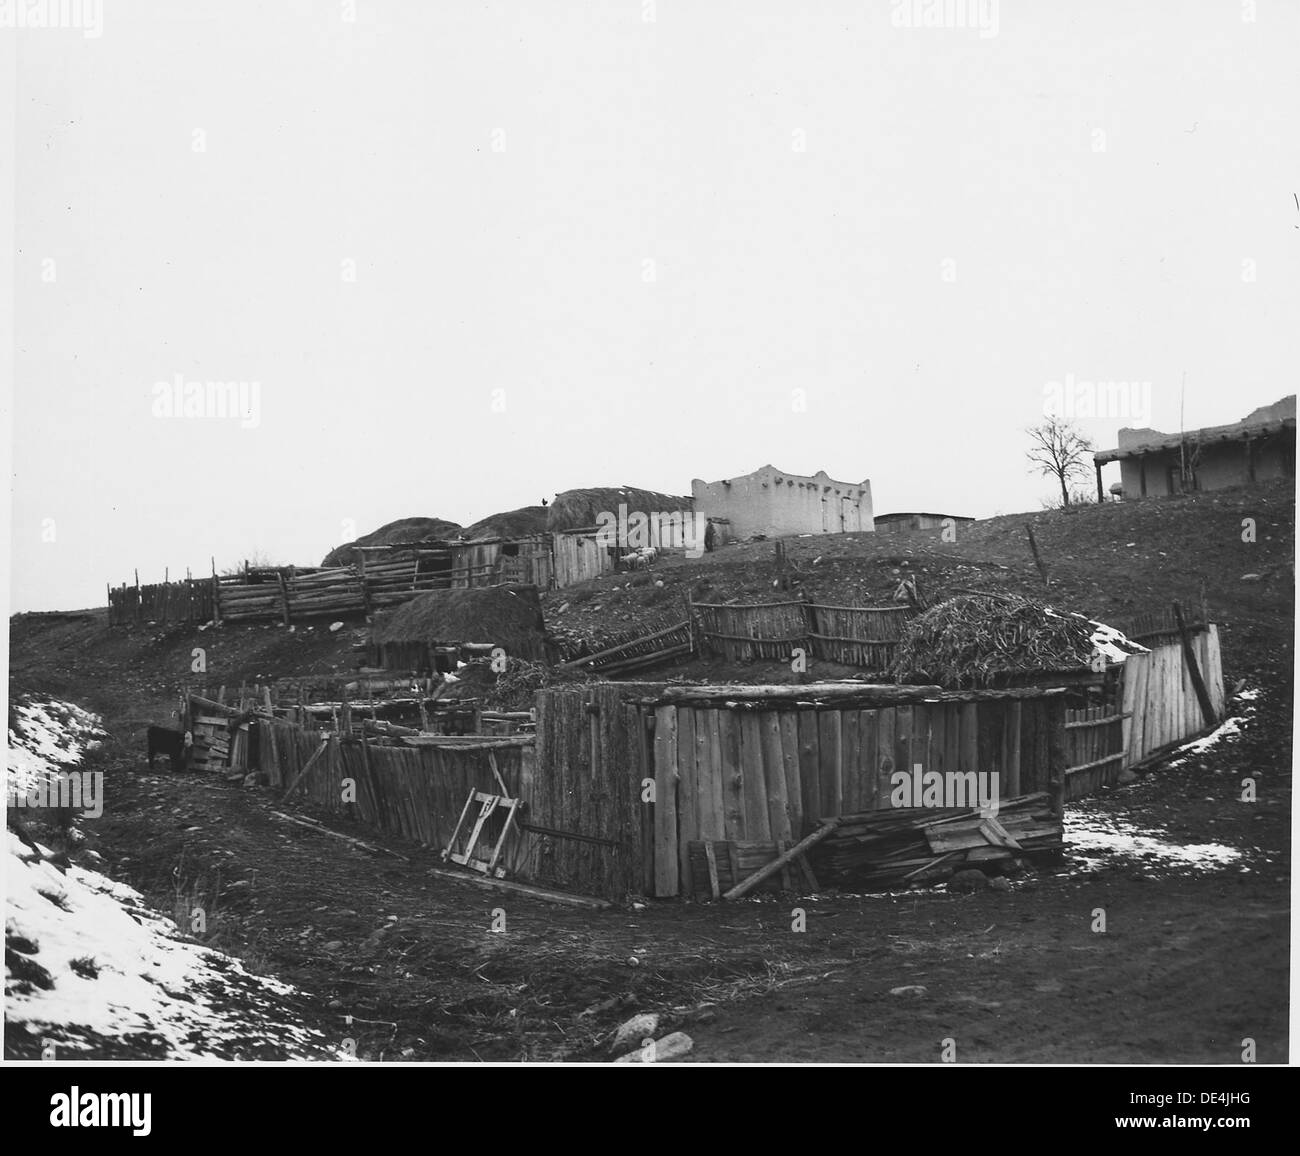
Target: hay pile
576,509
521,523
506,616
403,530
978,640
512,688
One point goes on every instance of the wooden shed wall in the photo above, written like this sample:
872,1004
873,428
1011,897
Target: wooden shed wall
579,558
1159,696
765,775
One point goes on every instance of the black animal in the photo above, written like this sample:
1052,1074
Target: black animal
173,744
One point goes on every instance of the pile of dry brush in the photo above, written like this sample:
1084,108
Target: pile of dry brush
979,640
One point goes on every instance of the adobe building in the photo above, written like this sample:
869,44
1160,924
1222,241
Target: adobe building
905,521
1258,448
774,503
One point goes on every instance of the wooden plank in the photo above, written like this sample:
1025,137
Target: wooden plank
311,762
903,760
1055,728
711,856
778,806
868,745
714,824
830,763
968,756
790,757
800,848
646,750
688,824
758,827
524,889
665,750
809,765
952,738
1011,766
885,726
733,797
851,756
1136,705
921,714
1214,664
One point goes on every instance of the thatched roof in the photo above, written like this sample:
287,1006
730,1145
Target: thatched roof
506,616
521,523
980,640
403,530
575,509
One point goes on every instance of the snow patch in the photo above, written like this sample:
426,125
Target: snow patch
46,735
1112,837
87,959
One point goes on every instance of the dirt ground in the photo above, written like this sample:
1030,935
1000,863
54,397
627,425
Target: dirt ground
1191,962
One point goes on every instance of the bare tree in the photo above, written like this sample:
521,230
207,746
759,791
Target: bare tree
1059,450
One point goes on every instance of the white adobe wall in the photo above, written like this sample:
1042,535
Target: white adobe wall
776,504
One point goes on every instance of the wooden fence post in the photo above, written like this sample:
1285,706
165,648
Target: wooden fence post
1198,683
284,594
1038,561
1056,754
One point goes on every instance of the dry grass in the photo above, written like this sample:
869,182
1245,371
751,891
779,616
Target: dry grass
977,640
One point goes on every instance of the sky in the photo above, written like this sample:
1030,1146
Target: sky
465,256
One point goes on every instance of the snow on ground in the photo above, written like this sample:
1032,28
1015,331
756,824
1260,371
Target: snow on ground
1094,840
1226,729
44,737
89,963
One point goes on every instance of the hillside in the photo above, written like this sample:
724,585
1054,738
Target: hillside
405,952
1109,562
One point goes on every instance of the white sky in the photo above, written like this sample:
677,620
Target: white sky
1097,174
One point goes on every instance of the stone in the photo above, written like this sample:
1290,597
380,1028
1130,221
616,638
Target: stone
912,990
999,883
968,880
1251,577
630,1033
662,1051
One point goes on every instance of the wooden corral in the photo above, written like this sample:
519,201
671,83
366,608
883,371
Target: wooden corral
187,600
743,633
761,764
621,779
863,636
857,635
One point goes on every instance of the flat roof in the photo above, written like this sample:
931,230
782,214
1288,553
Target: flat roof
1207,436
